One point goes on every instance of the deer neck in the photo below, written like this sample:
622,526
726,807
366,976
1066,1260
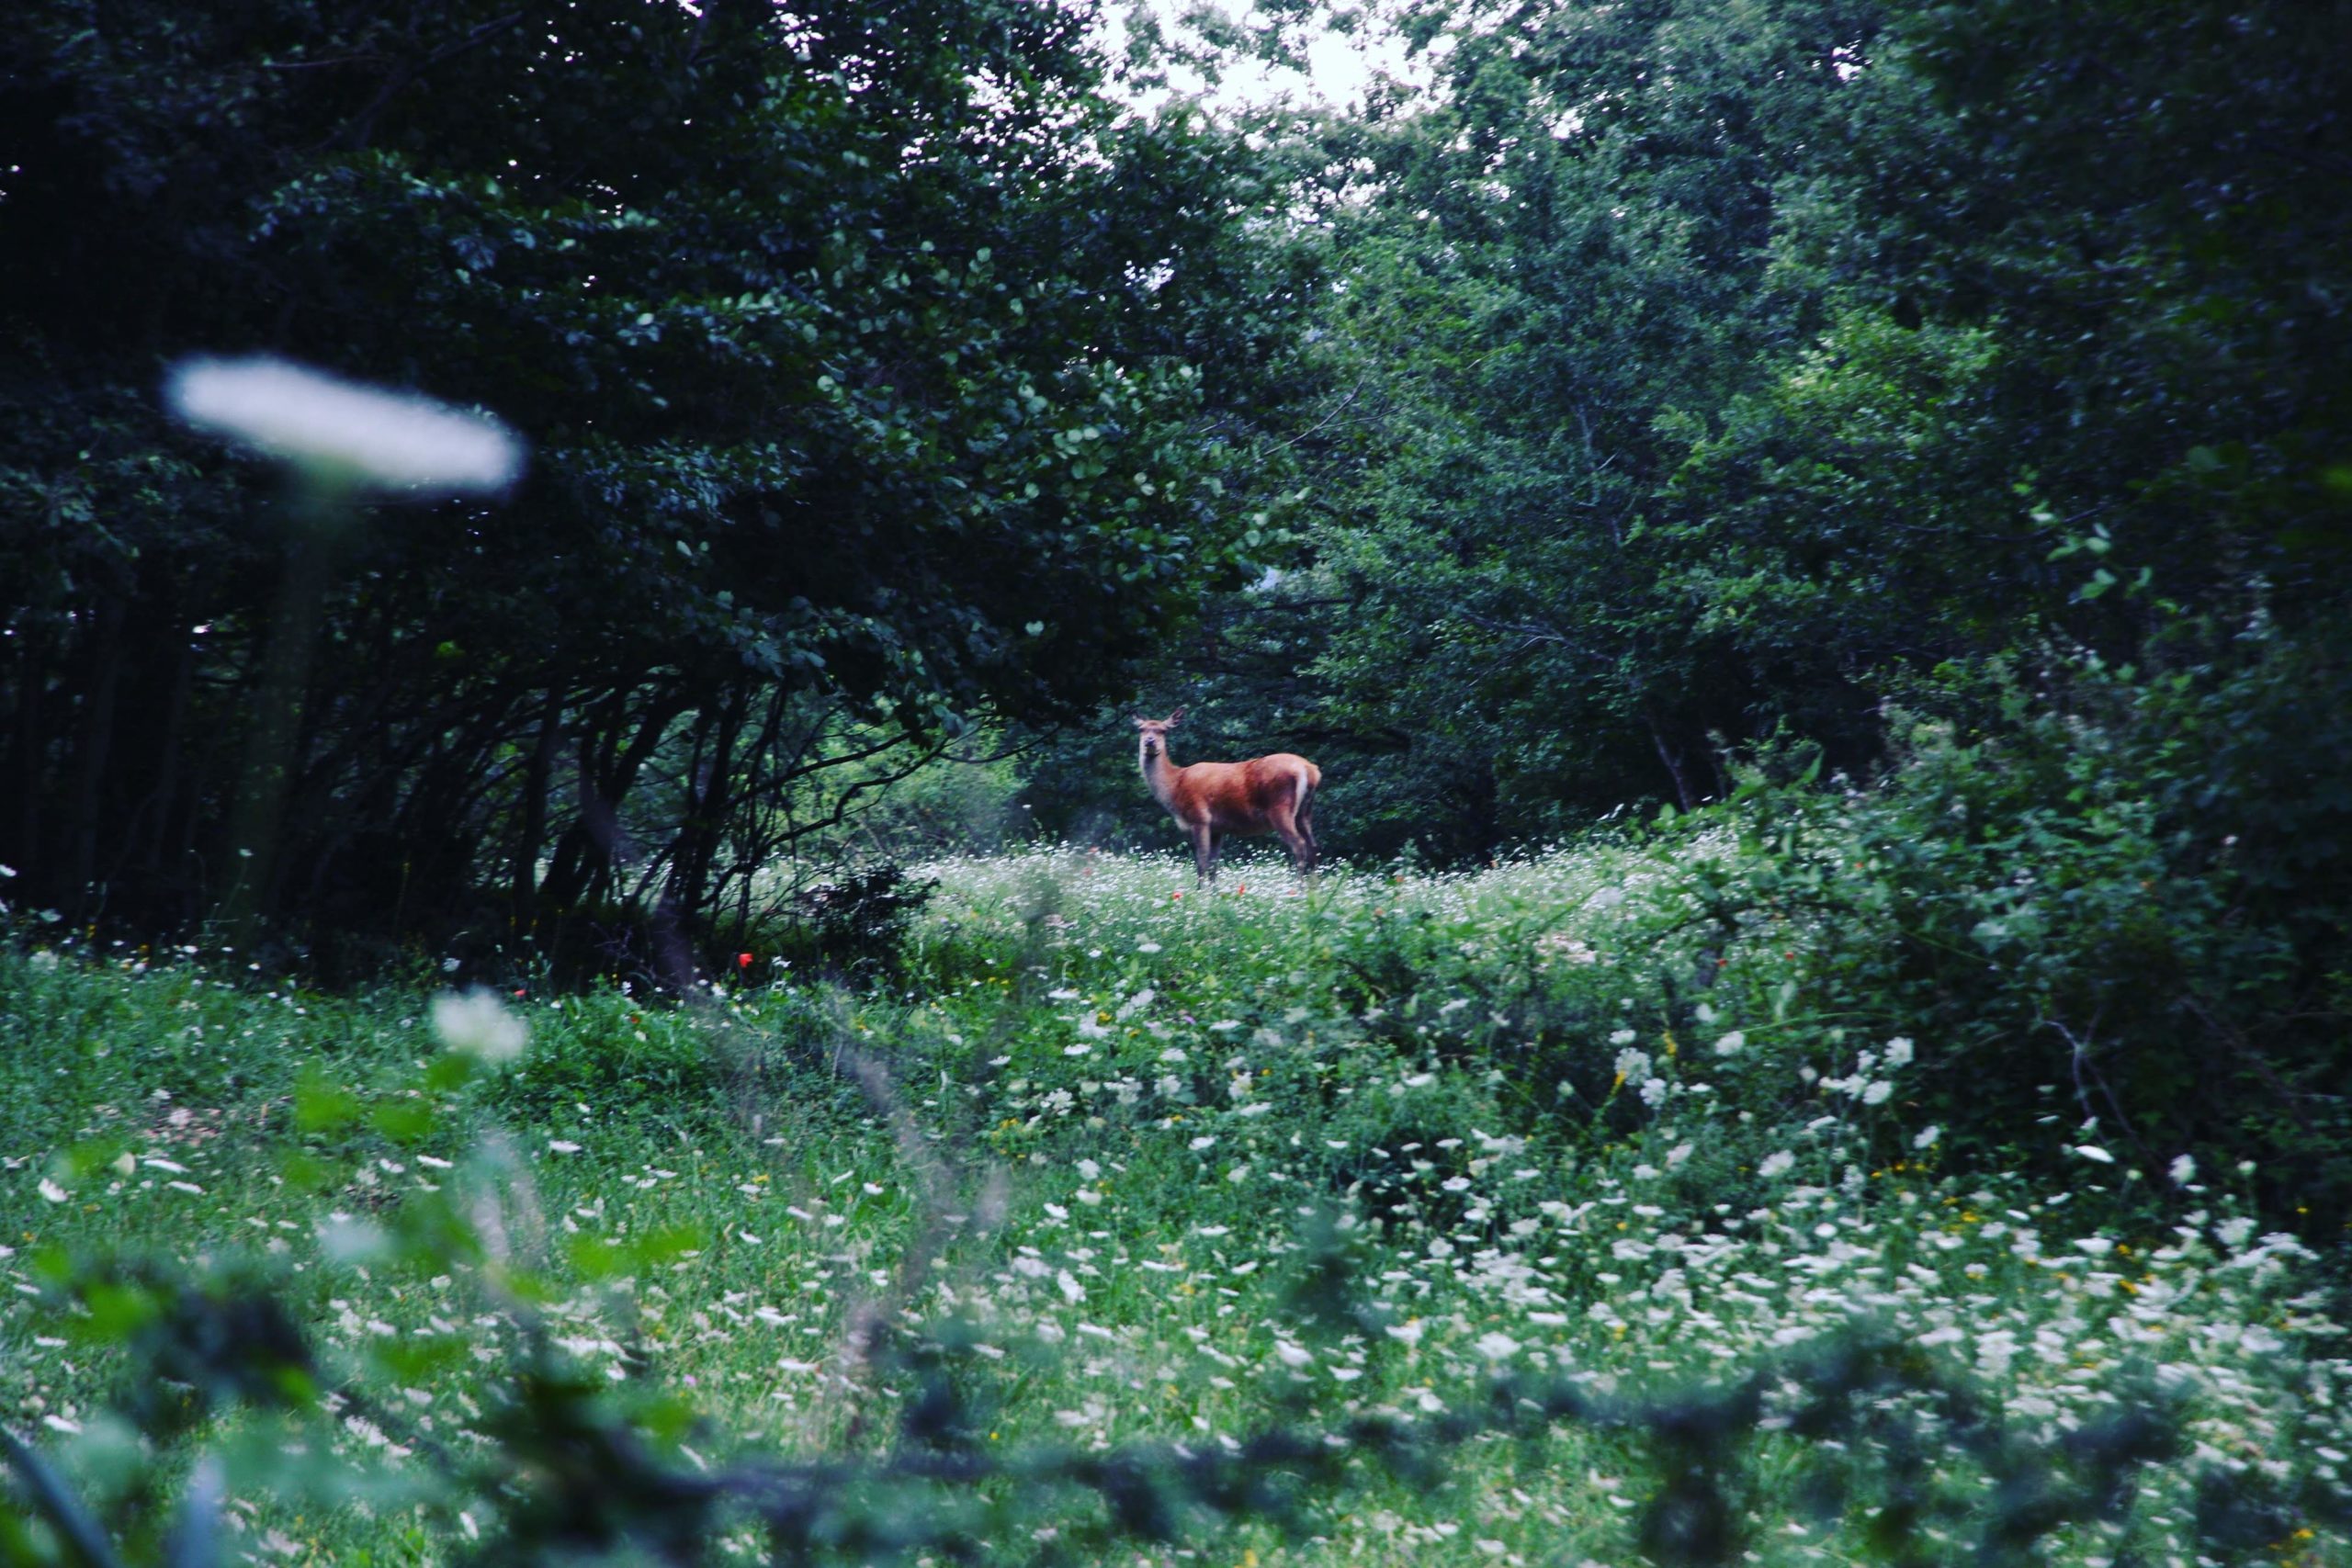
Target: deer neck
1159,777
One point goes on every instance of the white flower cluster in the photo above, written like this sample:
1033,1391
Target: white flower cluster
373,438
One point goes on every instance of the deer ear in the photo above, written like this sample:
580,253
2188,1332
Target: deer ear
1141,721
1174,716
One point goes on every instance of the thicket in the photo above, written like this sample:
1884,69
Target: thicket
878,375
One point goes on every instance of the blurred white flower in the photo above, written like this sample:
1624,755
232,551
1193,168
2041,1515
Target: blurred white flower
1731,1045
345,1240
384,440
2183,1171
2093,1152
477,1024
1927,1137
1778,1163
1875,1093
1497,1346
1898,1052
52,1192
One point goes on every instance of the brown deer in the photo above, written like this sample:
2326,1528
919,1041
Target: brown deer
1265,794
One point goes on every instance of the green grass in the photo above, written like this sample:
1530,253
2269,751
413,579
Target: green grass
1098,1123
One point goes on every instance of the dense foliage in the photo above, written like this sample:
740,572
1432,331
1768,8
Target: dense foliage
1702,374
878,376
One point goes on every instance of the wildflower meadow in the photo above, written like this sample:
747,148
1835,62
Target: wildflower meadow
1388,1217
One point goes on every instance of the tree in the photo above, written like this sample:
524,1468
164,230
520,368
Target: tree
1553,272
870,357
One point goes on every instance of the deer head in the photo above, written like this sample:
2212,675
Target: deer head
1155,733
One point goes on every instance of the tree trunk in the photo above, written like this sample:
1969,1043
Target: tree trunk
1675,766
94,752
533,824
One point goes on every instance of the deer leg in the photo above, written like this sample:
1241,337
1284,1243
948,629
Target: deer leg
1203,852
1290,827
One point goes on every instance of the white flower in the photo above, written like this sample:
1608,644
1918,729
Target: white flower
2093,1152
1778,1163
477,1024
383,440
1622,1037
1731,1045
1927,1137
1497,1346
1875,1092
1898,1052
344,1239
1147,947
1293,1354
2183,1171
563,1146
52,1192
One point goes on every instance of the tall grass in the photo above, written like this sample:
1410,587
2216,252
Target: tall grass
1119,1163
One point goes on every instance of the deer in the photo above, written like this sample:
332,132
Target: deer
1275,793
